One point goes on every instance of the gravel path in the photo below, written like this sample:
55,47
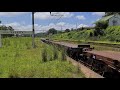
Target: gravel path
111,54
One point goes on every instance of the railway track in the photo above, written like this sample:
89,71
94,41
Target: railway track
105,63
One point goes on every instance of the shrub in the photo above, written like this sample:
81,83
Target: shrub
101,25
113,33
55,54
99,28
98,32
50,58
91,34
63,55
67,30
44,55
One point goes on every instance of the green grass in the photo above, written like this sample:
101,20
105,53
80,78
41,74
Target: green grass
109,41
111,36
75,35
97,45
18,59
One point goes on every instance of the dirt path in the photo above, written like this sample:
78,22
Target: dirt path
67,44
111,54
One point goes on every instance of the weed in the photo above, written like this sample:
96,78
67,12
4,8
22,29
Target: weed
63,55
44,55
17,61
55,53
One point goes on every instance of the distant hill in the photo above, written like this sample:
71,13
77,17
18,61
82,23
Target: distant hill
40,35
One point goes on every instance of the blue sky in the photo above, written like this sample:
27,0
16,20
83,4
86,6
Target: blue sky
44,21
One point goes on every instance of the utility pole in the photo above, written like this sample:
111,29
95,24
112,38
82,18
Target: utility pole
61,27
33,35
76,26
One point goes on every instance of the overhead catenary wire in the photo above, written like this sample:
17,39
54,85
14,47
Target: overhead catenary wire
59,19
56,20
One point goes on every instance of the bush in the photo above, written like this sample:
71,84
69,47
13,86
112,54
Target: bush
55,54
44,55
98,32
91,34
67,30
50,58
63,55
113,33
99,28
101,25
52,31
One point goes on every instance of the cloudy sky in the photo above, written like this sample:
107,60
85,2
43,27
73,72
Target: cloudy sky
44,21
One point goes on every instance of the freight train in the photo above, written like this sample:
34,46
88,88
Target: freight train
105,63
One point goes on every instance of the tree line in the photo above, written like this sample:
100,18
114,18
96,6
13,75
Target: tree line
3,27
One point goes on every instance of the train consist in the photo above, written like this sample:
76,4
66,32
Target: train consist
105,63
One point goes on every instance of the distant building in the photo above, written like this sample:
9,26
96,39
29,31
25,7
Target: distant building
113,20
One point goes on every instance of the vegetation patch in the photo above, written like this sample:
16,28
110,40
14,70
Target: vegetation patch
109,35
19,60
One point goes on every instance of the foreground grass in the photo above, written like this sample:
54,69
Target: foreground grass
18,59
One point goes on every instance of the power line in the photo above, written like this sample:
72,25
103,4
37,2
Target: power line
60,17
57,14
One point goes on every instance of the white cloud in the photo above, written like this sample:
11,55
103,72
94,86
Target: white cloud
44,28
67,14
80,17
46,15
11,14
64,26
61,24
98,19
82,25
14,24
42,15
98,13
20,27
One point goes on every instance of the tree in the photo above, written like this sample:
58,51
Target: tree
59,32
10,28
3,27
72,29
67,30
99,27
52,31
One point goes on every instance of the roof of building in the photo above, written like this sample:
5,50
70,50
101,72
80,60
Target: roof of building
105,18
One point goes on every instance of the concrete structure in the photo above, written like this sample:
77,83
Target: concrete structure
14,33
113,20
